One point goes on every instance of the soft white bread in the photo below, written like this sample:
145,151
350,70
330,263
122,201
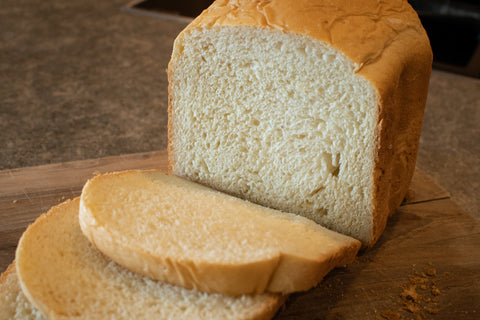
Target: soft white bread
64,277
308,106
13,304
180,232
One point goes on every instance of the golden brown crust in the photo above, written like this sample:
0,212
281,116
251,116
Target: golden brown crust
10,269
170,120
361,29
271,308
390,48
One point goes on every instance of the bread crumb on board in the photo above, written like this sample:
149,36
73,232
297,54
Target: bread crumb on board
431,272
418,298
390,315
420,294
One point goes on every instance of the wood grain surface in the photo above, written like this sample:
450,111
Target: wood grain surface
26,193
425,266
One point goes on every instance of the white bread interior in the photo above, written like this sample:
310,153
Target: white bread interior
64,277
13,303
257,120
177,231
308,107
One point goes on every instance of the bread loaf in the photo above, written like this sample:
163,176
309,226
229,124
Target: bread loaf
64,277
180,232
310,107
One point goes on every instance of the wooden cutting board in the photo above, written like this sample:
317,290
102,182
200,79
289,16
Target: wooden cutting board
425,266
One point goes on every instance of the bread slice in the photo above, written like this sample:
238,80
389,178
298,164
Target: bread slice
13,303
64,277
310,107
177,231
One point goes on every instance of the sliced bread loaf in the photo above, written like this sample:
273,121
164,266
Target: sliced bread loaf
308,106
64,277
177,231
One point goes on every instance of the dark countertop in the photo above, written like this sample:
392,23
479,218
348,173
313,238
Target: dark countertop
82,79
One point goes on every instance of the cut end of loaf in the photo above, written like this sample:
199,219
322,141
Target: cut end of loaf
275,118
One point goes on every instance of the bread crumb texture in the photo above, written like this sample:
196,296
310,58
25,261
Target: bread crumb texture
13,303
256,119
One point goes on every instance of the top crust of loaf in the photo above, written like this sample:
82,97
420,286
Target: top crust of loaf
389,47
363,30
